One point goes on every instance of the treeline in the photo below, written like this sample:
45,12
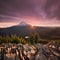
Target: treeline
12,39
32,38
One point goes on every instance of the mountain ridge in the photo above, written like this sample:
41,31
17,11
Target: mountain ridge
44,32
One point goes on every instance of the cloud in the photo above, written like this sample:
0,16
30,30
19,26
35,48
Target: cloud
52,9
4,18
31,8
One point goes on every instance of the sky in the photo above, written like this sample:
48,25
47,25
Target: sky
34,12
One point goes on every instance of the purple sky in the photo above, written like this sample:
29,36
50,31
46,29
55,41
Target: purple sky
34,12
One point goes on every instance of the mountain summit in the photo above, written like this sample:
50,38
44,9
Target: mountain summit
23,24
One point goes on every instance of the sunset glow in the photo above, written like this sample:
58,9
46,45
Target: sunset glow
36,12
5,25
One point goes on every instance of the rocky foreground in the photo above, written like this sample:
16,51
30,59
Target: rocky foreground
29,52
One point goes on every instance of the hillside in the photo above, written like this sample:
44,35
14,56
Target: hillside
45,32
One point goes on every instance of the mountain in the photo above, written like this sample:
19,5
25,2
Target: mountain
23,24
23,29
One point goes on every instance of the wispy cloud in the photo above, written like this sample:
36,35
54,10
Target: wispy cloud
21,10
